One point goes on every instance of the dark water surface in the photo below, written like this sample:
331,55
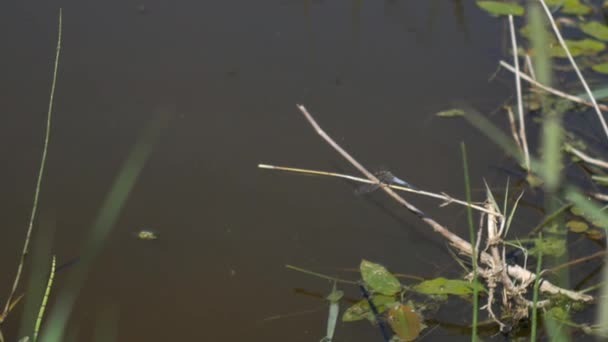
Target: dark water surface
230,73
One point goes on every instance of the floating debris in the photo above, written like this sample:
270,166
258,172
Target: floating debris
147,235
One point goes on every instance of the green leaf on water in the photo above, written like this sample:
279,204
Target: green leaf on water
443,286
595,29
583,47
577,226
601,68
147,235
550,246
451,113
577,211
361,309
379,279
575,7
497,8
405,322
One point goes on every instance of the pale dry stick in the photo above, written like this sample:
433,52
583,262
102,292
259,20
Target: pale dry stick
586,158
40,174
448,199
520,106
511,117
599,196
530,67
550,90
576,69
460,244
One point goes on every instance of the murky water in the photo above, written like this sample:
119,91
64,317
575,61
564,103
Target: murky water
231,73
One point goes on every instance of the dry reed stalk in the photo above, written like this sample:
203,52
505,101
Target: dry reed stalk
520,106
463,246
550,90
443,196
586,158
575,66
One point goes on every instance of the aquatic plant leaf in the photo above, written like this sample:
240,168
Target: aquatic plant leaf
601,68
405,322
443,286
595,234
361,309
451,113
595,29
379,279
558,313
334,310
583,47
575,7
550,246
335,296
533,180
592,211
577,226
577,211
496,8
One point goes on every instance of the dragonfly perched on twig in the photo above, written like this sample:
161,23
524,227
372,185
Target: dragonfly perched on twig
385,177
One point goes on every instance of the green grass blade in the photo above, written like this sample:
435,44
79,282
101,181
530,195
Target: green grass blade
45,148
472,236
107,216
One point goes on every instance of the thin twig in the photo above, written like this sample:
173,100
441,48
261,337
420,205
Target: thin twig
576,69
550,90
577,261
40,174
599,196
586,158
520,106
446,198
530,66
511,117
463,246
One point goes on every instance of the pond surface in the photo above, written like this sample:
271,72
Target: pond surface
230,74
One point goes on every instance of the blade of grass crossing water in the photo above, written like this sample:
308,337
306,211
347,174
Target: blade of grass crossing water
550,132
472,236
40,173
103,223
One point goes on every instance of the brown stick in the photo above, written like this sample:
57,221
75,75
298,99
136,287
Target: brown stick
456,241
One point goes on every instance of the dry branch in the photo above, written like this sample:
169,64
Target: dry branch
463,246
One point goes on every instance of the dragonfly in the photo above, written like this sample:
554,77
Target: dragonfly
385,177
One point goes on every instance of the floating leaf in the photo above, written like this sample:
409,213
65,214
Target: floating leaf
601,68
361,309
534,180
443,286
404,322
595,234
501,8
577,211
379,279
147,235
575,7
549,246
595,29
335,296
583,47
577,226
451,113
